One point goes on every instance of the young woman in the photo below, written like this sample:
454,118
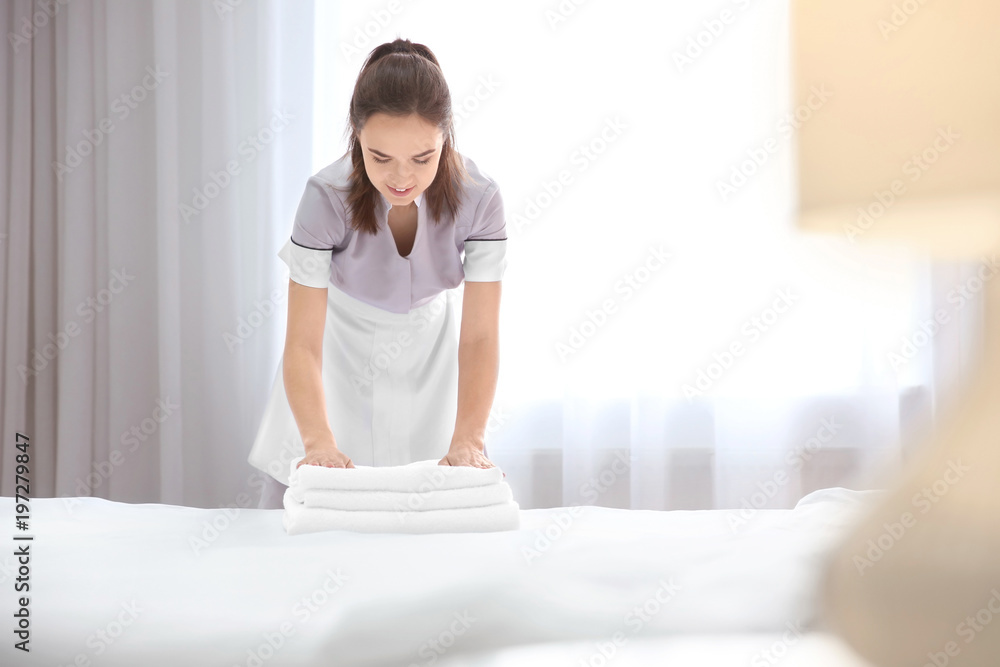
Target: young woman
376,368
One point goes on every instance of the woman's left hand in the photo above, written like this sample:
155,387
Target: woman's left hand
466,454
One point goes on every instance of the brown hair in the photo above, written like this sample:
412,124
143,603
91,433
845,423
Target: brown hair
400,78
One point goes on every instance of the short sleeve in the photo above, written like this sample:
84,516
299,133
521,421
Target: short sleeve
316,232
486,246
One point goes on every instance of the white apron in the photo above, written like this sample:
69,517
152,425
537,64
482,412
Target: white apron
390,381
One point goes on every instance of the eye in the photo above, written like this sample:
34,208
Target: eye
387,159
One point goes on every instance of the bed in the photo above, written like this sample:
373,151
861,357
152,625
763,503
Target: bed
152,584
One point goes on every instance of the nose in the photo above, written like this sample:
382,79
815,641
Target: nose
404,176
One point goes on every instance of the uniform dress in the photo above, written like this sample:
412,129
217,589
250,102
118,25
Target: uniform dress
390,342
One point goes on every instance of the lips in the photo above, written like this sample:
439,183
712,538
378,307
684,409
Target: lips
399,193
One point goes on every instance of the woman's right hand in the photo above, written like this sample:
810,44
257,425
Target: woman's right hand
326,455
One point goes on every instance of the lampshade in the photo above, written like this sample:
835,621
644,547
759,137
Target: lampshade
905,147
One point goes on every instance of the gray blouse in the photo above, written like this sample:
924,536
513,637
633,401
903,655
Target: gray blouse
323,249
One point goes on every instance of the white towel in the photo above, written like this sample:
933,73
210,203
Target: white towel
419,476
436,499
298,519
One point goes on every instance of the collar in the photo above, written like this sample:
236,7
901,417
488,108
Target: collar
417,200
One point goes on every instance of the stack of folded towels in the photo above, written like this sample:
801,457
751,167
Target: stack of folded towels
420,497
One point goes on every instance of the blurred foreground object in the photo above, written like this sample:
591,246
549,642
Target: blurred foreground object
906,149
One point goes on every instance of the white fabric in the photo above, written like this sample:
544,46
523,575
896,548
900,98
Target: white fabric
716,188
418,476
299,519
201,327
306,266
272,493
390,385
437,499
485,260
144,277
220,579
778,649
421,485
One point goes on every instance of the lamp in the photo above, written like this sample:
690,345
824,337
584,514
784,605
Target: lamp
907,150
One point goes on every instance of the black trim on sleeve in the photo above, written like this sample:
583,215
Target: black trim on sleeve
307,247
503,239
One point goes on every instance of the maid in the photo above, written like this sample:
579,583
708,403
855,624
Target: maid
377,370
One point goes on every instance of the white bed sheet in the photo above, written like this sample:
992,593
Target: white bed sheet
132,571
813,649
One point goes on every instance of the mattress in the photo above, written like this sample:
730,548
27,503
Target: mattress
152,584
811,649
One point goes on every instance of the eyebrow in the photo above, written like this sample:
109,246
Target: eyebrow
381,154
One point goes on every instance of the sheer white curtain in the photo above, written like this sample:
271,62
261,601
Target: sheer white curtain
153,154
623,132
142,301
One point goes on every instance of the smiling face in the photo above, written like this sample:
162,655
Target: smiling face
400,152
